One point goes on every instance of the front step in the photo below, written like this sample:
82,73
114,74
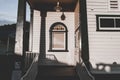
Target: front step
107,76
56,73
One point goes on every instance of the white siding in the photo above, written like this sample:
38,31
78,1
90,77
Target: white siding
104,47
53,17
36,31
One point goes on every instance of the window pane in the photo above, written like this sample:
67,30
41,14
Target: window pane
106,23
58,40
118,23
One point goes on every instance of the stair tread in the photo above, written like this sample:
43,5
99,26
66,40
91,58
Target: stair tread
107,76
56,73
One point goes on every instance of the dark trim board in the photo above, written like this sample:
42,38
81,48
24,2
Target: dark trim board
58,51
84,32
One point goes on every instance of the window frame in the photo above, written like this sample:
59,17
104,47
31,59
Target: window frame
114,28
51,31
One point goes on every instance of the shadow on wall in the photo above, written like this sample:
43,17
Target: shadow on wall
106,68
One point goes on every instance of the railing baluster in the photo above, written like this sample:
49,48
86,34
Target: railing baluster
83,72
30,63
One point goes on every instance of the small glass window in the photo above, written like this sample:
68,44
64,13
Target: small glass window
118,23
108,22
58,37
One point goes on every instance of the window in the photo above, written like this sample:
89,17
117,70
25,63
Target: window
58,37
114,5
107,22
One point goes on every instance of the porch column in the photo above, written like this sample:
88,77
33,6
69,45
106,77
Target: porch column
84,32
31,31
20,28
42,55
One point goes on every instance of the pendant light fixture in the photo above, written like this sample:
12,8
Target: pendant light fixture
58,8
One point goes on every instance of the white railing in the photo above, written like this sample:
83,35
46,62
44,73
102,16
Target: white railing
32,69
51,57
83,72
29,56
32,63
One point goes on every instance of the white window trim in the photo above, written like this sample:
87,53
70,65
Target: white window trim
114,27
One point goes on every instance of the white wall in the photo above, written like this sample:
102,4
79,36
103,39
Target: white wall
53,17
104,47
36,31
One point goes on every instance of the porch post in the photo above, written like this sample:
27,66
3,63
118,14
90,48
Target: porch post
31,31
42,55
20,28
84,32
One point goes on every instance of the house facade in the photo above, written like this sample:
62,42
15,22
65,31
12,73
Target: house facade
52,35
84,30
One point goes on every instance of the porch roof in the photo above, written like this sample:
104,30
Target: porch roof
48,5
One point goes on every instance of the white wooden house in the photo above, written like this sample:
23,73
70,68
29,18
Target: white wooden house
49,34
90,32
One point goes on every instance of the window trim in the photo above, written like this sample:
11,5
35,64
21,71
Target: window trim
106,17
66,38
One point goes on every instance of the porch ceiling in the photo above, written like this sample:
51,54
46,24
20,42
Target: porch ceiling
48,5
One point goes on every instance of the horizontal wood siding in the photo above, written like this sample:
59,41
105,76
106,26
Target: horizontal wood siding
104,47
36,31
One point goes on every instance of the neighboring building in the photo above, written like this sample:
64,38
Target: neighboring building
7,38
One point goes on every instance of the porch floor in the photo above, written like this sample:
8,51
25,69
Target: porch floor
46,72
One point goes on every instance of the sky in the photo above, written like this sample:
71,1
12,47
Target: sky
8,10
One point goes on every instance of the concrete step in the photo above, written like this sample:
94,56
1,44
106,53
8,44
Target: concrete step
107,76
56,73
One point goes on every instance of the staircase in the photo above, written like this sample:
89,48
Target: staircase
56,72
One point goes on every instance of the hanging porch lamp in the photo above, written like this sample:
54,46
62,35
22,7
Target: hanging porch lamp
58,8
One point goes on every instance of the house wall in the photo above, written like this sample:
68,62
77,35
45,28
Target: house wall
53,17
104,46
36,31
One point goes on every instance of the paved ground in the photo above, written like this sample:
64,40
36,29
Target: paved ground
6,67
107,76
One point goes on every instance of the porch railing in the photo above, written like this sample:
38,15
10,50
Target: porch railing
51,57
29,57
31,61
83,72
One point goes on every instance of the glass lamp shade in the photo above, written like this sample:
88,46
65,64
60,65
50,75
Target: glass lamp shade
58,8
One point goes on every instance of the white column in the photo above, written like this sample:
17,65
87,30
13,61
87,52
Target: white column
31,31
19,28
